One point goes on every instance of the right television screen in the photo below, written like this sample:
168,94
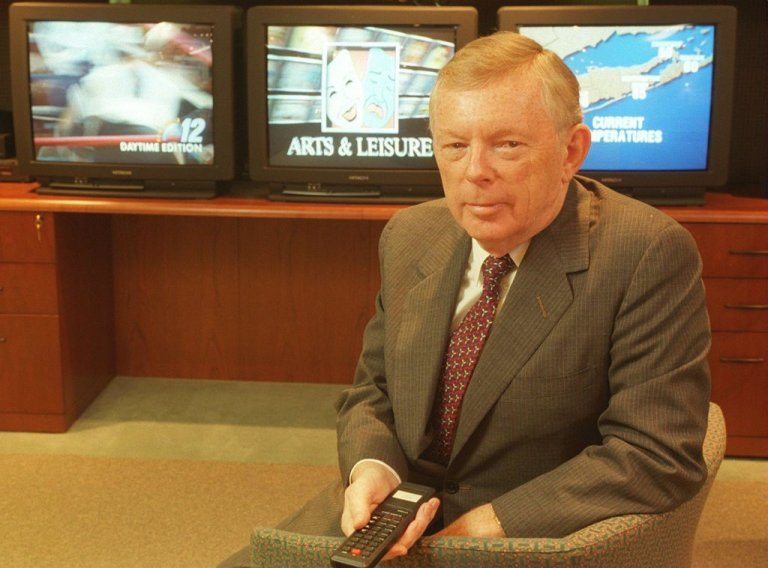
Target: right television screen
655,88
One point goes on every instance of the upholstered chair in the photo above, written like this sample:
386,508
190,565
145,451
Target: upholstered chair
628,541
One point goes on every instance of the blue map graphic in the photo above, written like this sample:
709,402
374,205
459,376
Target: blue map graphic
646,92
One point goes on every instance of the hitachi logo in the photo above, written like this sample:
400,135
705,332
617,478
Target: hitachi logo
359,178
611,179
122,172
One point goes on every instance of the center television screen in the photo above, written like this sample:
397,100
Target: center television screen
352,94
339,98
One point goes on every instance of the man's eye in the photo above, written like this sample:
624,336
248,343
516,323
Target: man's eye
509,144
453,150
453,146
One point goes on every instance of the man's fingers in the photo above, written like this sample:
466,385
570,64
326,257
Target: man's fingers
355,514
415,529
371,484
347,525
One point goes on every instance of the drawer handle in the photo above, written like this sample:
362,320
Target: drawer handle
747,306
749,252
752,360
3,339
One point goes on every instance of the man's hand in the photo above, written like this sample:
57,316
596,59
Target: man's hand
480,521
371,484
415,529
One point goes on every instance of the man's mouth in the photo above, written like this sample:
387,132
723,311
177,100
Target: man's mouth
483,209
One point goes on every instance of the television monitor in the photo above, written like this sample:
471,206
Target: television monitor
656,88
124,99
338,98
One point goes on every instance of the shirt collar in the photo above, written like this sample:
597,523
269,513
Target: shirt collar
478,254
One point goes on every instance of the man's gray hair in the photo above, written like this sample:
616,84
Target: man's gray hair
491,58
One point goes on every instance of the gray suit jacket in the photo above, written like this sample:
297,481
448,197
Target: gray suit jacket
590,397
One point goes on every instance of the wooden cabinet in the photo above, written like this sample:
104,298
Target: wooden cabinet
29,332
53,361
735,259
249,289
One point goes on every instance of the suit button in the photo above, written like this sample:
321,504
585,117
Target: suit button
451,487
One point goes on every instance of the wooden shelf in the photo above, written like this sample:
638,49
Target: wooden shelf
719,207
723,208
22,197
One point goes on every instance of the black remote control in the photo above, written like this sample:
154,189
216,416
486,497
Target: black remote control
366,546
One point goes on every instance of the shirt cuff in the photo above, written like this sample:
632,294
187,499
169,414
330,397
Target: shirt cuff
370,460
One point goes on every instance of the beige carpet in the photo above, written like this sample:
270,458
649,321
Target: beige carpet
96,512
733,532
163,473
83,512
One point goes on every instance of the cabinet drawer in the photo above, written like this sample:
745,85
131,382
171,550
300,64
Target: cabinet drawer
737,304
30,365
739,365
26,237
732,249
27,289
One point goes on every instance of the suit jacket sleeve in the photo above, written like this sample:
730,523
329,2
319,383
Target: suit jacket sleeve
365,421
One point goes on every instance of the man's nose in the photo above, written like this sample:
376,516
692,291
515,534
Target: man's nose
480,166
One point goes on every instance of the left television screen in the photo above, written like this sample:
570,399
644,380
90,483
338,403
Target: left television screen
105,92
119,98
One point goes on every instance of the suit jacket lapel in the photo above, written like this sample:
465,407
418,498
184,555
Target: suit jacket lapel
422,336
539,296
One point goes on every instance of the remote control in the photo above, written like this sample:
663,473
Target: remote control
366,546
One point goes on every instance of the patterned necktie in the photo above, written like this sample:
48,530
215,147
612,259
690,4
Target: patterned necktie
464,349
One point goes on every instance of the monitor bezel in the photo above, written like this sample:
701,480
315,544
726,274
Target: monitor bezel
721,16
394,180
224,21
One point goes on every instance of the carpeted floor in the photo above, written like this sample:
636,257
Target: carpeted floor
167,473
733,531
85,512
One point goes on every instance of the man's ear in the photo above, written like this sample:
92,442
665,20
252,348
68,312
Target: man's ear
578,139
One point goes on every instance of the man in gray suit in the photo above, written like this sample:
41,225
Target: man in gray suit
590,396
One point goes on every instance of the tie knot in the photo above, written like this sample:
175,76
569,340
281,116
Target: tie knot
494,269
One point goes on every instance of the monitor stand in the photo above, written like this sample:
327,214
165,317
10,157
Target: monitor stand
668,196
325,193
169,189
